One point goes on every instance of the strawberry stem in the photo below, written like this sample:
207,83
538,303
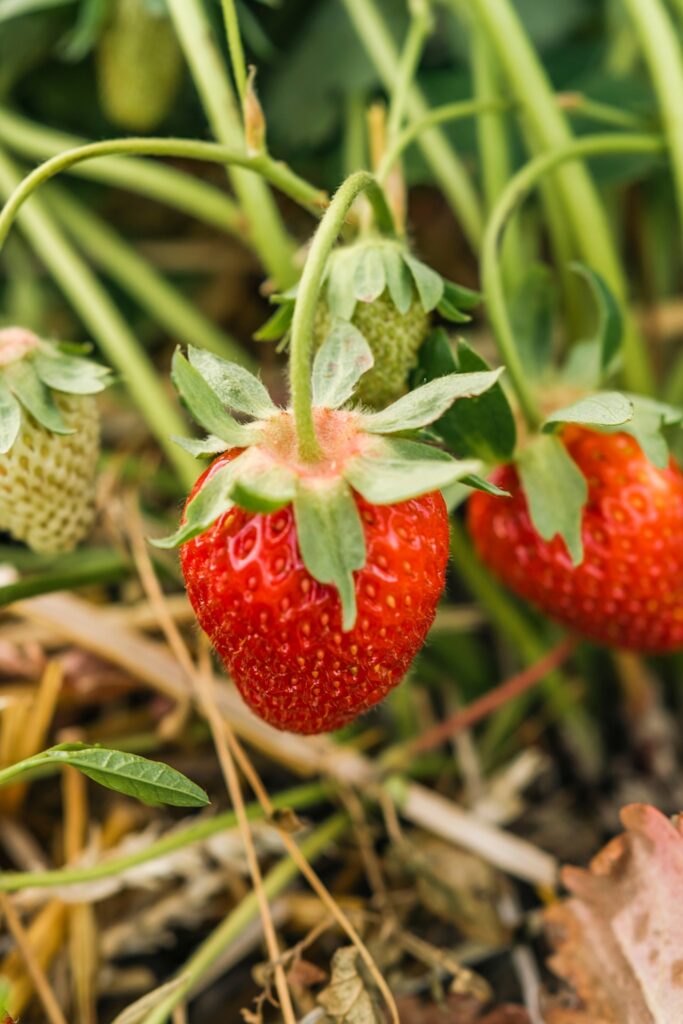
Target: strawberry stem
491,271
308,296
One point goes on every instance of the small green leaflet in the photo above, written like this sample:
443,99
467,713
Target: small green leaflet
604,409
211,501
556,492
207,446
429,284
484,427
24,382
340,362
151,782
10,418
461,490
70,374
264,489
398,277
205,405
278,324
331,538
594,358
395,470
236,387
650,421
533,306
426,404
341,288
368,277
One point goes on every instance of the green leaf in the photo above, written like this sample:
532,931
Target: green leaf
430,285
235,386
427,403
485,426
398,277
70,374
533,306
556,492
603,409
650,421
341,295
264,487
148,781
461,490
610,326
331,538
210,502
369,279
10,418
205,406
340,362
462,298
451,313
278,324
396,470
35,397
198,447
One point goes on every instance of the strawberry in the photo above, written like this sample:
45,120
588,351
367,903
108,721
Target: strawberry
316,580
279,631
628,590
139,65
49,441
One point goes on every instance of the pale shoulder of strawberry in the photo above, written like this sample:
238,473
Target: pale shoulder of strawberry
49,440
380,456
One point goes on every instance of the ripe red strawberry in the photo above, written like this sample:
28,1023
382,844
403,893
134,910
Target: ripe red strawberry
279,631
628,591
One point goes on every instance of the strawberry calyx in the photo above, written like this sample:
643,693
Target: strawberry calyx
361,451
33,373
366,269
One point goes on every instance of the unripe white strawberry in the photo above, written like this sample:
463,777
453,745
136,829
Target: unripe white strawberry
49,441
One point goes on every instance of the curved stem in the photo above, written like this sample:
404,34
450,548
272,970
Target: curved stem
145,177
277,173
517,190
439,115
232,28
307,299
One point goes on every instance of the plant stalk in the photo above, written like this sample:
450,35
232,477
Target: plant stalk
308,297
235,48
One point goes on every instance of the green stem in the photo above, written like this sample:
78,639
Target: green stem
307,299
661,45
297,799
446,166
418,31
106,567
516,191
270,239
156,181
580,105
494,146
279,174
550,131
164,303
14,771
277,879
104,322
239,67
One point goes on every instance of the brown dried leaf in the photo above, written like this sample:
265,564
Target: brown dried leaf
619,940
346,999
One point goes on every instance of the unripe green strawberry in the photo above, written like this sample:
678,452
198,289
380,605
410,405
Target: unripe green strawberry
49,441
394,339
139,65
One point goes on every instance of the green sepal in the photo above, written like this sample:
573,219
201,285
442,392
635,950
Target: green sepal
340,362
71,375
210,502
278,324
331,538
483,427
341,288
10,418
430,285
205,406
533,306
236,387
649,425
451,313
369,277
428,403
396,470
399,279
465,299
556,492
603,409
263,488
461,490
201,447
480,483
594,358
24,382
